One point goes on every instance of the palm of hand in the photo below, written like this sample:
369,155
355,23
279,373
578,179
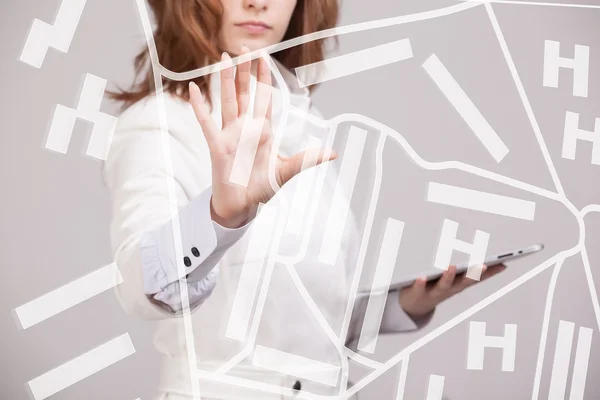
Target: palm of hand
241,151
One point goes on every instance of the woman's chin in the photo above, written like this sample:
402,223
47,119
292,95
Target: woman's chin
252,44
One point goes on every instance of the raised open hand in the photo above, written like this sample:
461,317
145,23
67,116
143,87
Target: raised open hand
241,150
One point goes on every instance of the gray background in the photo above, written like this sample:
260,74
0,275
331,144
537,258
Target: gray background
56,211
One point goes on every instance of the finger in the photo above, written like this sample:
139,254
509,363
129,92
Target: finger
263,91
446,280
419,287
466,281
242,83
491,271
202,113
229,107
292,166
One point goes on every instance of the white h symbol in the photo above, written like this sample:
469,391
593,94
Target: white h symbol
89,110
572,133
580,65
449,243
478,341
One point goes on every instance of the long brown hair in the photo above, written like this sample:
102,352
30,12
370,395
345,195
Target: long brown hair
186,38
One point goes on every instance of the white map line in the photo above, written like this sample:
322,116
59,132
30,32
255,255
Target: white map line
311,218
477,171
289,263
285,208
544,333
431,166
337,31
443,166
533,3
434,166
317,314
362,253
265,387
591,285
168,157
524,99
460,318
448,165
550,297
262,296
295,365
367,362
589,209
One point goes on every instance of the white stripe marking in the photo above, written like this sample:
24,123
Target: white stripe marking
43,35
68,296
81,367
480,201
381,284
562,355
246,151
465,107
402,379
302,193
436,387
245,295
353,63
336,219
582,358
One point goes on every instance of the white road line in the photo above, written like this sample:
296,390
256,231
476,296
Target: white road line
291,364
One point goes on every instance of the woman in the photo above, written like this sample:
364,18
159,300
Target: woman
206,118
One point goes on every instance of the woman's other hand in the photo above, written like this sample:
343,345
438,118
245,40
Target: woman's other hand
422,297
232,204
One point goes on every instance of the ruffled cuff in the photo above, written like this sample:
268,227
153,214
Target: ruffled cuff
198,292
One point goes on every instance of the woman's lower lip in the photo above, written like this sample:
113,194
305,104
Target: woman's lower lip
253,28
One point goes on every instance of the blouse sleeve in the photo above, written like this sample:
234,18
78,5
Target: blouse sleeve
142,228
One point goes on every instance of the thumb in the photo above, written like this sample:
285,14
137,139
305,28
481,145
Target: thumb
299,162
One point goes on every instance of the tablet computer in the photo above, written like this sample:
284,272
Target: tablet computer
436,273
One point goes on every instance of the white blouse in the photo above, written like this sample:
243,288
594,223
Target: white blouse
225,268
